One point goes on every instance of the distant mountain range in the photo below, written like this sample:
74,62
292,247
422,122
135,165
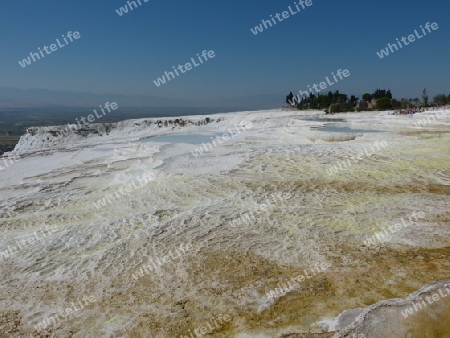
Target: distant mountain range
14,97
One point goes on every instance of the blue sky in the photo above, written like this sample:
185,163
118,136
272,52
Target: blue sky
124,54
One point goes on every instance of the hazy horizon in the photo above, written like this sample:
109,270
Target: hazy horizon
112,54
11,97
16,97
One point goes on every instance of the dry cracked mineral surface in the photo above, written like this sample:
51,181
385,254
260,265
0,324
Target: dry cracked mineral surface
291,226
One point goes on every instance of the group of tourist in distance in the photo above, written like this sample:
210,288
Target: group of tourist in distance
411,111
408,111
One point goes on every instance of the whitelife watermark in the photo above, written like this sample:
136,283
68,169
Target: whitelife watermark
428,119
392,229
430,299
411,38
123,191
284,15
90,119
60,315
249,217
155,264
207,328
359,157
284,288
323,85
124,10
11,158
243,126
38,236
188,66
53,48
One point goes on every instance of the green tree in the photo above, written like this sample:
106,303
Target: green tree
379,93
416,100
330,97
324,101
440,99
336,96
367,97
353,99
448,98
342,98
384,103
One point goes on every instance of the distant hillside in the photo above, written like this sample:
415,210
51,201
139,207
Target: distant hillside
251,102
14,97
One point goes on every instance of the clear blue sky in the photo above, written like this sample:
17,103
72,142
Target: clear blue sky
124,54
